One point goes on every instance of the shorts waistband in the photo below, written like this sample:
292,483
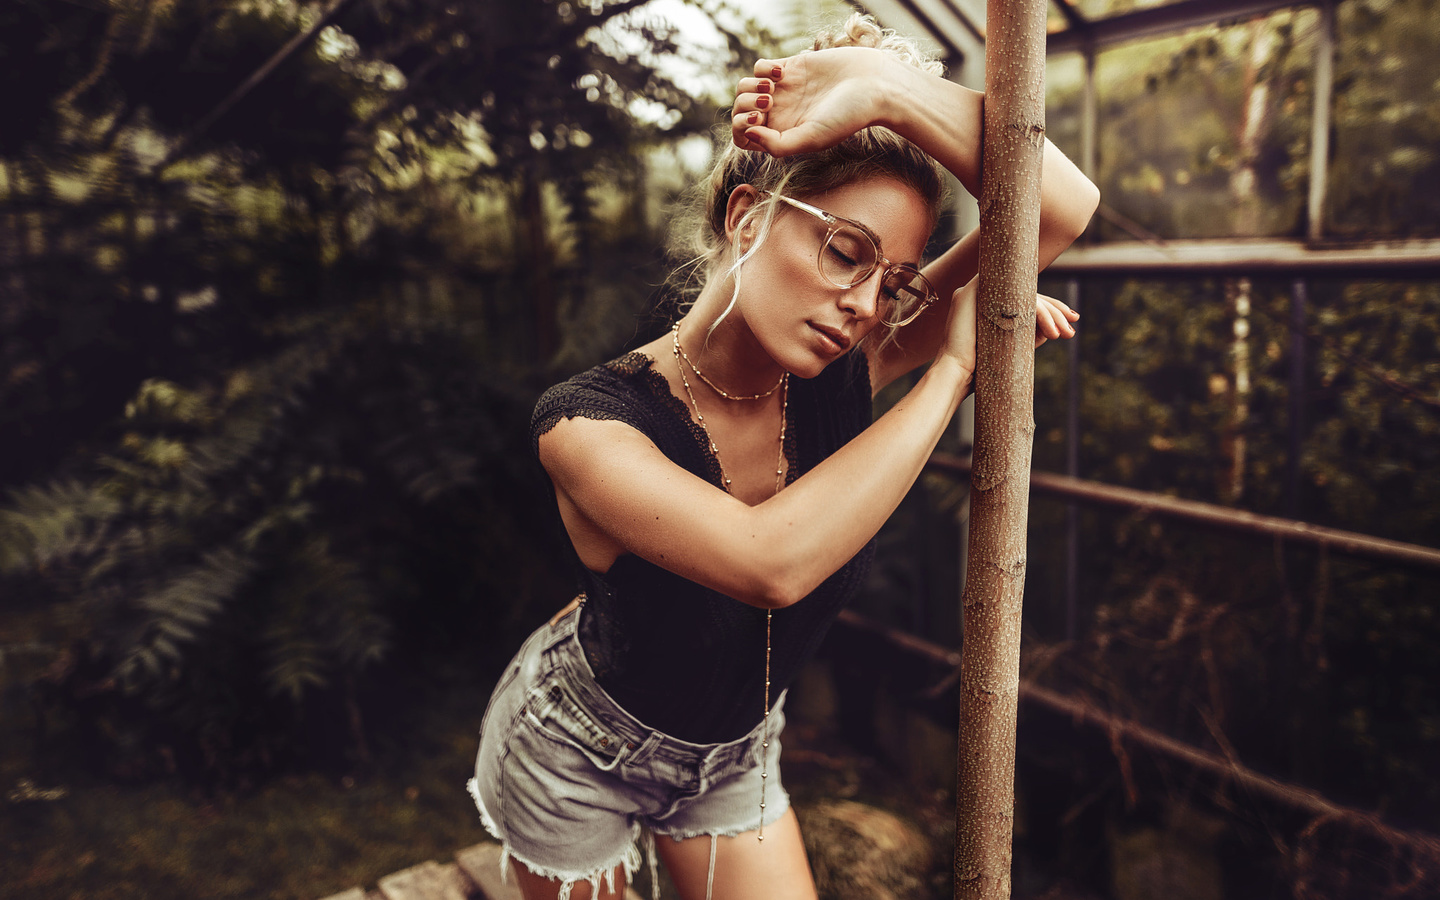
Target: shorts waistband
562,650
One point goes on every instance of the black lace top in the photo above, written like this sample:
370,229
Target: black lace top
680,657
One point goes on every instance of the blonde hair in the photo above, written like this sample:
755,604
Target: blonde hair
699,239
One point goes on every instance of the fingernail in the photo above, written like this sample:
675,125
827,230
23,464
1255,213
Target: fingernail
753,119
776,72
763,87
762,101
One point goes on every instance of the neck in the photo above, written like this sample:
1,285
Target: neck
731,357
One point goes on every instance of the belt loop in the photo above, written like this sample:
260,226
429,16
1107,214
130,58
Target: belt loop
562,628
646,748
567,609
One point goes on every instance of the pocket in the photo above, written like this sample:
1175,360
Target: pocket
554,713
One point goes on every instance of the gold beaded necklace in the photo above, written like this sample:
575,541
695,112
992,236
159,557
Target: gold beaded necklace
715,387
783,385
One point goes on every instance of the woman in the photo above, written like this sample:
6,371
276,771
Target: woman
722,485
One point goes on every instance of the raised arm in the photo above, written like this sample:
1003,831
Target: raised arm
817,98
619,494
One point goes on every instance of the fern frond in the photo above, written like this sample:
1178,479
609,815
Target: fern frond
178,611
53,523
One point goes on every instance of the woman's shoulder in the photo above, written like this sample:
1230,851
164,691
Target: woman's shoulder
623,389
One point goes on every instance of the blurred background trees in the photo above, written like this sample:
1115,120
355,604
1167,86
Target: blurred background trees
268,365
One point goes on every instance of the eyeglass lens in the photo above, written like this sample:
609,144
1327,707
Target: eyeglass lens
850,256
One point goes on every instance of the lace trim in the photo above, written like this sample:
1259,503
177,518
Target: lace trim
659,388
571,401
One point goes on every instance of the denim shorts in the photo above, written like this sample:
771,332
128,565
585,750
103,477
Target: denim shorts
570,783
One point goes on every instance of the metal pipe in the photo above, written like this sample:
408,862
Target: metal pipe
1072,469
1349,542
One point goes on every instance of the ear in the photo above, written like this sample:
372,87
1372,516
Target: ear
741,201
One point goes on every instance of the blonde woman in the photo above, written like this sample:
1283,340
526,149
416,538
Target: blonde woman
722,485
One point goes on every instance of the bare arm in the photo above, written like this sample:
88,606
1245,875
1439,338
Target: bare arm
824,96
619,494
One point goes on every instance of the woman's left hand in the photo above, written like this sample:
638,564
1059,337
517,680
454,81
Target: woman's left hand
1053,319
810,101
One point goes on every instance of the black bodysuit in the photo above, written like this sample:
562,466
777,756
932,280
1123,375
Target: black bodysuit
682,658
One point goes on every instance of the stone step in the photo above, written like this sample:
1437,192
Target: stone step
475,875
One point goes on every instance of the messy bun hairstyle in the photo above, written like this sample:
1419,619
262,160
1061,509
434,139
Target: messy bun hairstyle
699,239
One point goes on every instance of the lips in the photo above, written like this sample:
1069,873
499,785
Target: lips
834,335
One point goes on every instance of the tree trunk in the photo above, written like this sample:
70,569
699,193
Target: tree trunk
1262,73
540,260
1014,142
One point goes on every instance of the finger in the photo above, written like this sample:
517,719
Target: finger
1056,315
754,86
1059,306
769,68
740,123
750,100
1045,326
803,138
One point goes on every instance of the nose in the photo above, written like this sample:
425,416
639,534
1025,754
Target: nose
862,300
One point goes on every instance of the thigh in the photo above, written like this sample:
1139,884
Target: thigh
745,868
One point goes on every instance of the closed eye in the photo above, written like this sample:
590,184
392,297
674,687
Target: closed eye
841,256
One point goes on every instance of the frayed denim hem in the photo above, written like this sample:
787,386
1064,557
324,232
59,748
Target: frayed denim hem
629,859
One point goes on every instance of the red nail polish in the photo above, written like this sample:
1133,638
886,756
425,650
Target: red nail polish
762,101
763,87
754,119
776,72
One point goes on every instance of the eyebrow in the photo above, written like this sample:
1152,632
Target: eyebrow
879,244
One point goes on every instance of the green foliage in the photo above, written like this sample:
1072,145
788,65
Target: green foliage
1315,667
1310,665
1385,132
270,377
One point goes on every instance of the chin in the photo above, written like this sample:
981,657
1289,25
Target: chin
810,365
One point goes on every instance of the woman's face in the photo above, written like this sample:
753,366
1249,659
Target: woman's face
800,318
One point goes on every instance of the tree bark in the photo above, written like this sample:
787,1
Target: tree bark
1014,142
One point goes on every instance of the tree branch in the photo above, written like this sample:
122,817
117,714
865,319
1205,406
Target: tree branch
291,47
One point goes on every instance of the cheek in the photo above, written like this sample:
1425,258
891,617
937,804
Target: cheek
779,282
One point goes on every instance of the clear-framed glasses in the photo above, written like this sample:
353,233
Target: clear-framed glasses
849,255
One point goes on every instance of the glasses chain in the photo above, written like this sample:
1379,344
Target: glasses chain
783,385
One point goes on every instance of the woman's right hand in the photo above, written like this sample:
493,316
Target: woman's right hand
817,99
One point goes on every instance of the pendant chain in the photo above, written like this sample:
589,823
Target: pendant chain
783,385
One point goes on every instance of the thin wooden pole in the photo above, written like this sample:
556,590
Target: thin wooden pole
1014,143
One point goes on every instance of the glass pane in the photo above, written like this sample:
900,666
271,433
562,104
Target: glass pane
1386,155
1203,134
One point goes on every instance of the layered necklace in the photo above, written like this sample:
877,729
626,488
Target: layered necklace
783,386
